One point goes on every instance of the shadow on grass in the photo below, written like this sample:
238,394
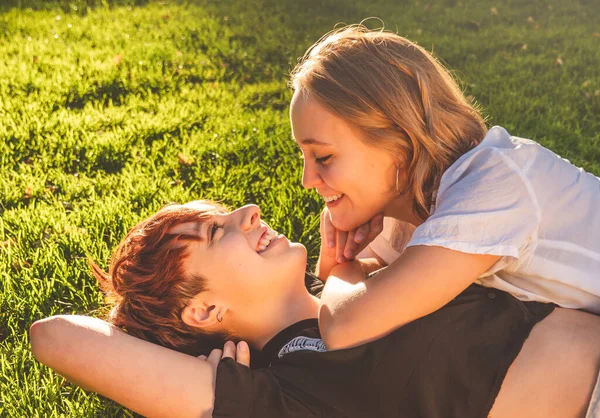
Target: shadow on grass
67,5
113,91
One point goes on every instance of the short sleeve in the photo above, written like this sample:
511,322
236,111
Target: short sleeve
392,240
245,393
485,205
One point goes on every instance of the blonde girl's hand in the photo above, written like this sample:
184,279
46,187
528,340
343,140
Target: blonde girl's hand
343,246
239,353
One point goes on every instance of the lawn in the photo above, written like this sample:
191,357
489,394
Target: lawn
109,110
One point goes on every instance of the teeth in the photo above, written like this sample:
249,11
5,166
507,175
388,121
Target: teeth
266,240
332,198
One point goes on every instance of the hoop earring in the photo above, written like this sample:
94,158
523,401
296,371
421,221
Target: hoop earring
219,317
400,193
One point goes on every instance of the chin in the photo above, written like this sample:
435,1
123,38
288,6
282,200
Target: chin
295,254
298,257
299,252
345,224
296,246
350,220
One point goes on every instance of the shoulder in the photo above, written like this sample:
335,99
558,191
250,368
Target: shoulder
497,150
498,168
486,202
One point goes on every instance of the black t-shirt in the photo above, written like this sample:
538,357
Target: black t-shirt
450,363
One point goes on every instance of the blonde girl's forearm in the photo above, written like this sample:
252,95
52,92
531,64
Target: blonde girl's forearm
421,281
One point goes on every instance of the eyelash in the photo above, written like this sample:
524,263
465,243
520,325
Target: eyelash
214,229
323,160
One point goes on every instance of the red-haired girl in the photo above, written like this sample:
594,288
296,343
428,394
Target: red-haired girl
193,275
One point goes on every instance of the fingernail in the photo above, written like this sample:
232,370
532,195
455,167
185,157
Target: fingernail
230,343
243,346
348,255
358,237
340,259
331,244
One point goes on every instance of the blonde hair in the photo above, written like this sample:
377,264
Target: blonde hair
399,96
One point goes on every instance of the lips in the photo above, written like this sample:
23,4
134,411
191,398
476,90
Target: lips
265,239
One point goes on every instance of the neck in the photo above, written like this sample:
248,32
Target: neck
402,210
294,307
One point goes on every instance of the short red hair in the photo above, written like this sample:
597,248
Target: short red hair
147,285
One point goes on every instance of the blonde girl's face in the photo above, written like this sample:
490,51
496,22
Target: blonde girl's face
356,180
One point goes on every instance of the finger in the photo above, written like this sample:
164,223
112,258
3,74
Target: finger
351,246
341,238
215,357
243,353
362,232
202,357
328,229
229,350
375,226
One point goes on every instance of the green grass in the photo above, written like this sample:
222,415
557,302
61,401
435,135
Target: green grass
108,110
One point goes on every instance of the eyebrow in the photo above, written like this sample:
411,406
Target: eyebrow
311,141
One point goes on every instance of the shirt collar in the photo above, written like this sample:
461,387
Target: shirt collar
306,327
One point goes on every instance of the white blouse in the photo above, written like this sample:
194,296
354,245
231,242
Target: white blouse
513,198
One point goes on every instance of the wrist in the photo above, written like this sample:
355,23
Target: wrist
324,265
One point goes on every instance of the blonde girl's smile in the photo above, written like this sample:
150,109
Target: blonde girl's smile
355,180
331,199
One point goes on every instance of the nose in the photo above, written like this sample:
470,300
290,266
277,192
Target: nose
249,217
310,177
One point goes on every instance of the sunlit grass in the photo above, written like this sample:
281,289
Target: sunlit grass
110,110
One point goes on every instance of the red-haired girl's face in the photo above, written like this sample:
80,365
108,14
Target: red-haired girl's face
243,260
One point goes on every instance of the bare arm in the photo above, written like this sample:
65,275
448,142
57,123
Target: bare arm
324,266
420,281
149,379
368,265
556,370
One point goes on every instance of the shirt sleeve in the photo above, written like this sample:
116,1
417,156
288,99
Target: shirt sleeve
245,393
391,242
485,205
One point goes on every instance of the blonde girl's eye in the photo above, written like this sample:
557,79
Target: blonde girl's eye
322,160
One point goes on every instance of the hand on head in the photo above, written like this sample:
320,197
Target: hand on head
239,353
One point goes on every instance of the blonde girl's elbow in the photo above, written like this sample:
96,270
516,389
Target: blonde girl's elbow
331,326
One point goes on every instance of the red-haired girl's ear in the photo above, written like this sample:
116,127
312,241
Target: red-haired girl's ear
199,314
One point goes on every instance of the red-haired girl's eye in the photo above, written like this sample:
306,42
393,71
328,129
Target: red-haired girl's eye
213,229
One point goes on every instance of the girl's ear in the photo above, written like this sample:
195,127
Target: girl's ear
202,314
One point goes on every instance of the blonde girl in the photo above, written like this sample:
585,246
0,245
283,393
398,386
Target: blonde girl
386,132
